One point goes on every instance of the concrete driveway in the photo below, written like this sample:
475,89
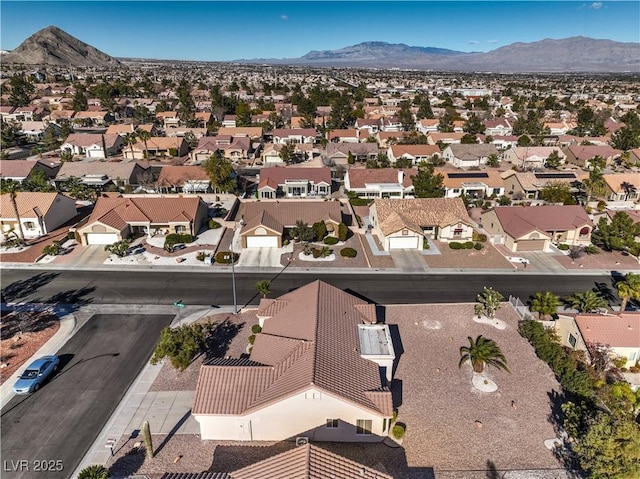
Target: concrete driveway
261,257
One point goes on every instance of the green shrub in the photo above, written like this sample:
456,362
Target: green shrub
285,242
478,246
467,245
455,245
398,430
256,329
320,230
591,249
52,249
343,232
348,253
331,240
213,224
201,256
176,238
479,237
564,247
224,257
316,252
173,152
95,471
359,201
181,345
425,243
252,339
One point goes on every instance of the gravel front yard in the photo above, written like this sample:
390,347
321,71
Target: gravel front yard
486,258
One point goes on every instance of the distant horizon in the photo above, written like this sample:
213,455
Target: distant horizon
251,30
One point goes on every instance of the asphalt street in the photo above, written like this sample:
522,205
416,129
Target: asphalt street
199,288
46,434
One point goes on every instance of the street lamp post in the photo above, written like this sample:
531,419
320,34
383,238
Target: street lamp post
233,273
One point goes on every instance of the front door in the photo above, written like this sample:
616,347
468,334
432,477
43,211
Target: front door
244,429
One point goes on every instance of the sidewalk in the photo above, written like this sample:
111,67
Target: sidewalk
168,412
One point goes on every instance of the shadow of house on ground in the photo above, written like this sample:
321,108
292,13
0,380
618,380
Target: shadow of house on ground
128,464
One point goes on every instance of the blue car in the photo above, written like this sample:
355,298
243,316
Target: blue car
36,374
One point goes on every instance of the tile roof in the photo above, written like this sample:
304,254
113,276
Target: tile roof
26,202
472,151
16,168
263,219
278,175
348,133
524,152
619,330
354,148
396,214
196,475
455,179
118,212
178,175
415,150
520,220
287,212
360,177
306,343
89,139
286,132
251,131
307,462
586,152
615,180
530,182
114,170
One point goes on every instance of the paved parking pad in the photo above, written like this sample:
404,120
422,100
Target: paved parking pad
45,435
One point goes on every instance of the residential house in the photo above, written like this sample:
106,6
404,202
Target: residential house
266,222
294,182
622,186
468,155
619,332
581,155
498,127
181,131
451,138
503,142
405,223
559,128
428,125
40,213
386,138
157,146
294,135
253,132
472,184
100,175
169,119
6,112
531,157
93,118
344,136
380,182
270,155
338,153
311,372
20,170
368,124
183,179
229,121
92,145
527,185
634,156
535,228
60,116
116,218
35,131
416,153
390,123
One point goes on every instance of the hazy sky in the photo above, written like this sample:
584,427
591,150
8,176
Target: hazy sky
203,30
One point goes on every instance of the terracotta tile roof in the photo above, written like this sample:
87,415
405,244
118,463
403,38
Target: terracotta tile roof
415,150
26,202
308,462
118,212
427,122
307,343
586,152
620,330
524,152
350,133
473,151
196,475
263,219
396,214
88,139
178,175
360,177
250,131
278,175
530,182
385,135
91,114
16,168
160,143
615,180
120,129
286,132
288,212
437,136
354,148
520,220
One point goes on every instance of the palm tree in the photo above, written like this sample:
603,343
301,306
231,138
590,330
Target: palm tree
264,287
545,304
628,288
12,188
594,185
131,139
144,135
587,302
628,188
480,352
94,472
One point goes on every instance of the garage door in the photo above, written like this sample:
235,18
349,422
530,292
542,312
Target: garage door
101,238
530,245
262,241
403,242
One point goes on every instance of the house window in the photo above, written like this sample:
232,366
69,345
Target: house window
456,190
312,395
363,427
584,231
332,423
405,232
384,424
181,229
457,232
632,356
572,340
30,225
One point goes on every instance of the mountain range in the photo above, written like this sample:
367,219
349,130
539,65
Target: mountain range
52,46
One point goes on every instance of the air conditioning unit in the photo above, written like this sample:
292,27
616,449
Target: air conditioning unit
302,441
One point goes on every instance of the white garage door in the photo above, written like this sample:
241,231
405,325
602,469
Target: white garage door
403,242
262,241
101,238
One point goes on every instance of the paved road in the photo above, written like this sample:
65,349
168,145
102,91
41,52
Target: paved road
61,421
199,288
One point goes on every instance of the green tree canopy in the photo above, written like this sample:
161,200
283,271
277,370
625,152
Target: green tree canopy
220,172
481,352
428,184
